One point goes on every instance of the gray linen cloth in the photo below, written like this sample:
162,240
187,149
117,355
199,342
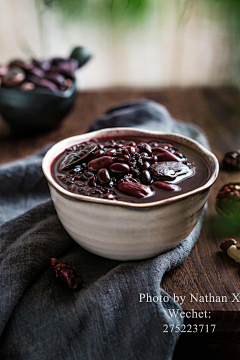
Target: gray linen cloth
40,317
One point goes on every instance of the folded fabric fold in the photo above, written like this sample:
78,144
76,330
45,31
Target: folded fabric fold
40,317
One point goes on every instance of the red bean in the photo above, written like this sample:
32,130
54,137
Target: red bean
146,165
97,154
145,157
140,162
131,149
154,159
37,72
103,176
146,177
164,155
125,151
47,84
122,157
92,181
135,189
57,79
13,77
27,86
153,144
102,162
166,186
144,147
111,152
119,169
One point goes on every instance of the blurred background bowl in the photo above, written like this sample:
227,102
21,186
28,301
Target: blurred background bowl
35,111
41,109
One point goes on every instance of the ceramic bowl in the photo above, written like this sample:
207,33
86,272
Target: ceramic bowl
129,231
39,110
36,111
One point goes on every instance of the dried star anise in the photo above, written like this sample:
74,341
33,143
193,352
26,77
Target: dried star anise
228,202
231,160
67,273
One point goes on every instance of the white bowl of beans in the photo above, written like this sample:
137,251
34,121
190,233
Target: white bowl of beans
129,194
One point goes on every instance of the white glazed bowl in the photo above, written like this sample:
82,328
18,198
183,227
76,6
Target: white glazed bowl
127,231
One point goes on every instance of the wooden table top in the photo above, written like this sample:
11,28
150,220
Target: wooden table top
207,270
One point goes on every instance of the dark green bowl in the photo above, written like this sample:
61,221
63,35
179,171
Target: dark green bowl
35,111
39,110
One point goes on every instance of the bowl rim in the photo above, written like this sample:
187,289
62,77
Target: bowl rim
193,145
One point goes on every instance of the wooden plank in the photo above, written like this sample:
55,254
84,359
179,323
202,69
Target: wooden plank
217,111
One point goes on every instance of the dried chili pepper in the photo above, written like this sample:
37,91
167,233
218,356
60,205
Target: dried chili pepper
67,273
